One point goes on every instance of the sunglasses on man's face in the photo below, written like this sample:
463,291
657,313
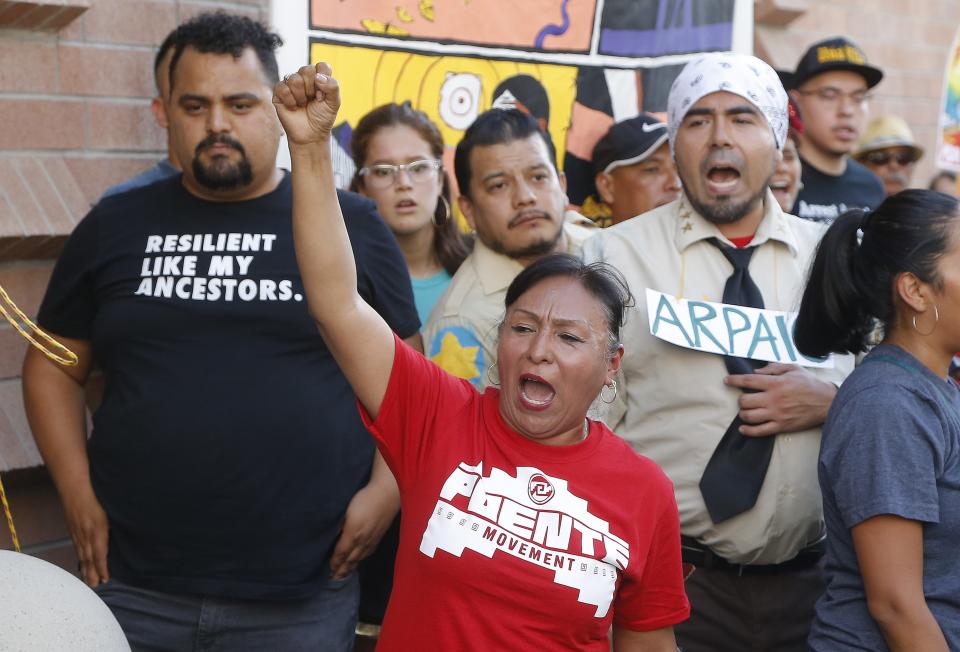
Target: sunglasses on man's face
880,158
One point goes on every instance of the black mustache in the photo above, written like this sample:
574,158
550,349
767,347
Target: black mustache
220,139
721,158
525,215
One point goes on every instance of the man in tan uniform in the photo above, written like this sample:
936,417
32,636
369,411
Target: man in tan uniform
714,275
513,196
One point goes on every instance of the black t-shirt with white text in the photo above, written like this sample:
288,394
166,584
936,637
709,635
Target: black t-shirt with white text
825,197
228,443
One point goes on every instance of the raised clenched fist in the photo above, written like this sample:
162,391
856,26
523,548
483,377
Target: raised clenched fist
307,102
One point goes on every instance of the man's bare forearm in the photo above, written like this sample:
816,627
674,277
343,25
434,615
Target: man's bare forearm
56,410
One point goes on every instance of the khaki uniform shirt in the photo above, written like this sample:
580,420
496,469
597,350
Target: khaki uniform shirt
673,406
461,332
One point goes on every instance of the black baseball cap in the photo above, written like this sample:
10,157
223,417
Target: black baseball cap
629,141
837,53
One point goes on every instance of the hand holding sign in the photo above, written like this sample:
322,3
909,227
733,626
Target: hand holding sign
307,103
782,397
785,398
729,330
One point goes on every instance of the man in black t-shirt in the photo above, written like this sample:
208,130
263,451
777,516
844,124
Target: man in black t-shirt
831,88
228,468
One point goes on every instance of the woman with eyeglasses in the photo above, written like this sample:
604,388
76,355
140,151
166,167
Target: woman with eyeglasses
398,151
889,463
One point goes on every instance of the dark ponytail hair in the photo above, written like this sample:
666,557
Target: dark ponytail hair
450,245
851,280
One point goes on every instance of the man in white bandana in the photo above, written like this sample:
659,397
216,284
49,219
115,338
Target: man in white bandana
713,391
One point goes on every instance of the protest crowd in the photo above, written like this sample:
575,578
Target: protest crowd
443,410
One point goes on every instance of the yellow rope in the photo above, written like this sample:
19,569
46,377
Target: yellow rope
27,328
9,515
69,358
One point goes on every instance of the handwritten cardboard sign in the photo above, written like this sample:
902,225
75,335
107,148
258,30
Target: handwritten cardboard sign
723,329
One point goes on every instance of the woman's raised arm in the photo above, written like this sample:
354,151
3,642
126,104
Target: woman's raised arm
360,340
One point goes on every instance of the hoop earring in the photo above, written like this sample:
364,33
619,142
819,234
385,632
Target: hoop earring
612,398
447,213
490,379
936,318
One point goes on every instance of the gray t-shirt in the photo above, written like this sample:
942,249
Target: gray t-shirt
891,445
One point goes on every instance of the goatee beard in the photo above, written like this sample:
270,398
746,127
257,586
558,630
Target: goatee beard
536,249
220,173
725,212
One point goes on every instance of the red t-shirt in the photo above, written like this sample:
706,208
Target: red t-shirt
508,544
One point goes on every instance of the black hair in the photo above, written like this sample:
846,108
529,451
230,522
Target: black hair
601,280
165,48
495,127
450,245
858,260
222,33
943,174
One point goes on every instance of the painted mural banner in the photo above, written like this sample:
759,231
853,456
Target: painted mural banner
723,329
948,141
577,66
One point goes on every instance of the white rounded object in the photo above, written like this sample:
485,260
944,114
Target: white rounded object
43,607
460,99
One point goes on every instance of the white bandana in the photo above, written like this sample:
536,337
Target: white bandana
740,74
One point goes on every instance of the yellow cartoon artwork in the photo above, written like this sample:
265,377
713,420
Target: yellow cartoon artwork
453,91
376,27
426,9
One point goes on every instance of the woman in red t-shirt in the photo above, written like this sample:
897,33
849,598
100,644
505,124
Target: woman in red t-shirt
525,524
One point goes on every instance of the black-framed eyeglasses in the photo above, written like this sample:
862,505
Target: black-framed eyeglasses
881,157
833,96
385,175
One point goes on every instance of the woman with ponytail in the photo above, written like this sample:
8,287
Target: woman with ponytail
890,454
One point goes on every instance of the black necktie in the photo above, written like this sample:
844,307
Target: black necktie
732,479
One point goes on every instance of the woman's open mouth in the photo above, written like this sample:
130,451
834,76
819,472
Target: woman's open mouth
405,205
535,392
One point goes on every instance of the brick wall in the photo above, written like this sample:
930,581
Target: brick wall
76,82
909,41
